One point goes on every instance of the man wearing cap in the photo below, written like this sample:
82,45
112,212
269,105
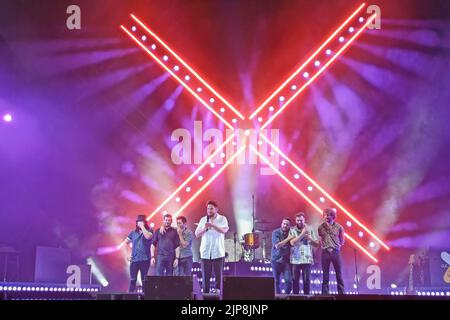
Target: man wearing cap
141,240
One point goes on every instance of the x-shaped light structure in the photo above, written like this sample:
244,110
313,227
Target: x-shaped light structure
341,39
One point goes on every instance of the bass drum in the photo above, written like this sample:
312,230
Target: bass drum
251,241
232,253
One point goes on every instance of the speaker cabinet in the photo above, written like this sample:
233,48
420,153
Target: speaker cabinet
118,296
248,288
172,288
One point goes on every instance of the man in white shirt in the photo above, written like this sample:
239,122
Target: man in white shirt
212,229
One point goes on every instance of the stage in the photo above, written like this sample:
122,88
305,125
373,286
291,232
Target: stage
27,291
256,147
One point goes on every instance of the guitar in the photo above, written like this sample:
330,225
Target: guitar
447,275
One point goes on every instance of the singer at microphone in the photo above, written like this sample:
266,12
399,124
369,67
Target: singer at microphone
211,229
208,218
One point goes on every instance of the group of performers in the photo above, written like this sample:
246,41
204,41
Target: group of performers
292,252
169,249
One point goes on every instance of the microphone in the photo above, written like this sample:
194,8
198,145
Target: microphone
207,220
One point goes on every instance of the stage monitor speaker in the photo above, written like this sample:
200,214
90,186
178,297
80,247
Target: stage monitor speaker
248,288
118,296
172,288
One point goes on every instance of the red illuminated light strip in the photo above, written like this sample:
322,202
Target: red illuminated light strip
176,77
188,67
307,61
307,199
192,176
121,244
330,198
319,72
286,179
210,180
360,247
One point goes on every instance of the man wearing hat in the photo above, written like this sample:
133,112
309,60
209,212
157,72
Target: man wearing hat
141,240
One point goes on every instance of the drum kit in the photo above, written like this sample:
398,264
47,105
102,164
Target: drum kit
252,246
256,245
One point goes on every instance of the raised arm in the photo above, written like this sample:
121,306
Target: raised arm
222,228
278,243
296,239
147,234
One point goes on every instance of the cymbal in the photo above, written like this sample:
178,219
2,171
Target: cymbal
262,221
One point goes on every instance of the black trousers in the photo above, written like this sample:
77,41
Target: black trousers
184,267
305,270
328,258
282,268
208,267
135,267
164,265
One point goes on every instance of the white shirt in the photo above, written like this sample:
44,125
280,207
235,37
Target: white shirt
213,241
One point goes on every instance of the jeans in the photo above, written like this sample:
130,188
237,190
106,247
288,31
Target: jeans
284,268
135,267
164,265
184,267
208,267
333,257
305,269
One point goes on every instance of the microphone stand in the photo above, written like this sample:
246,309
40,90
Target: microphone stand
356,274
235,252
253,213
253,223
